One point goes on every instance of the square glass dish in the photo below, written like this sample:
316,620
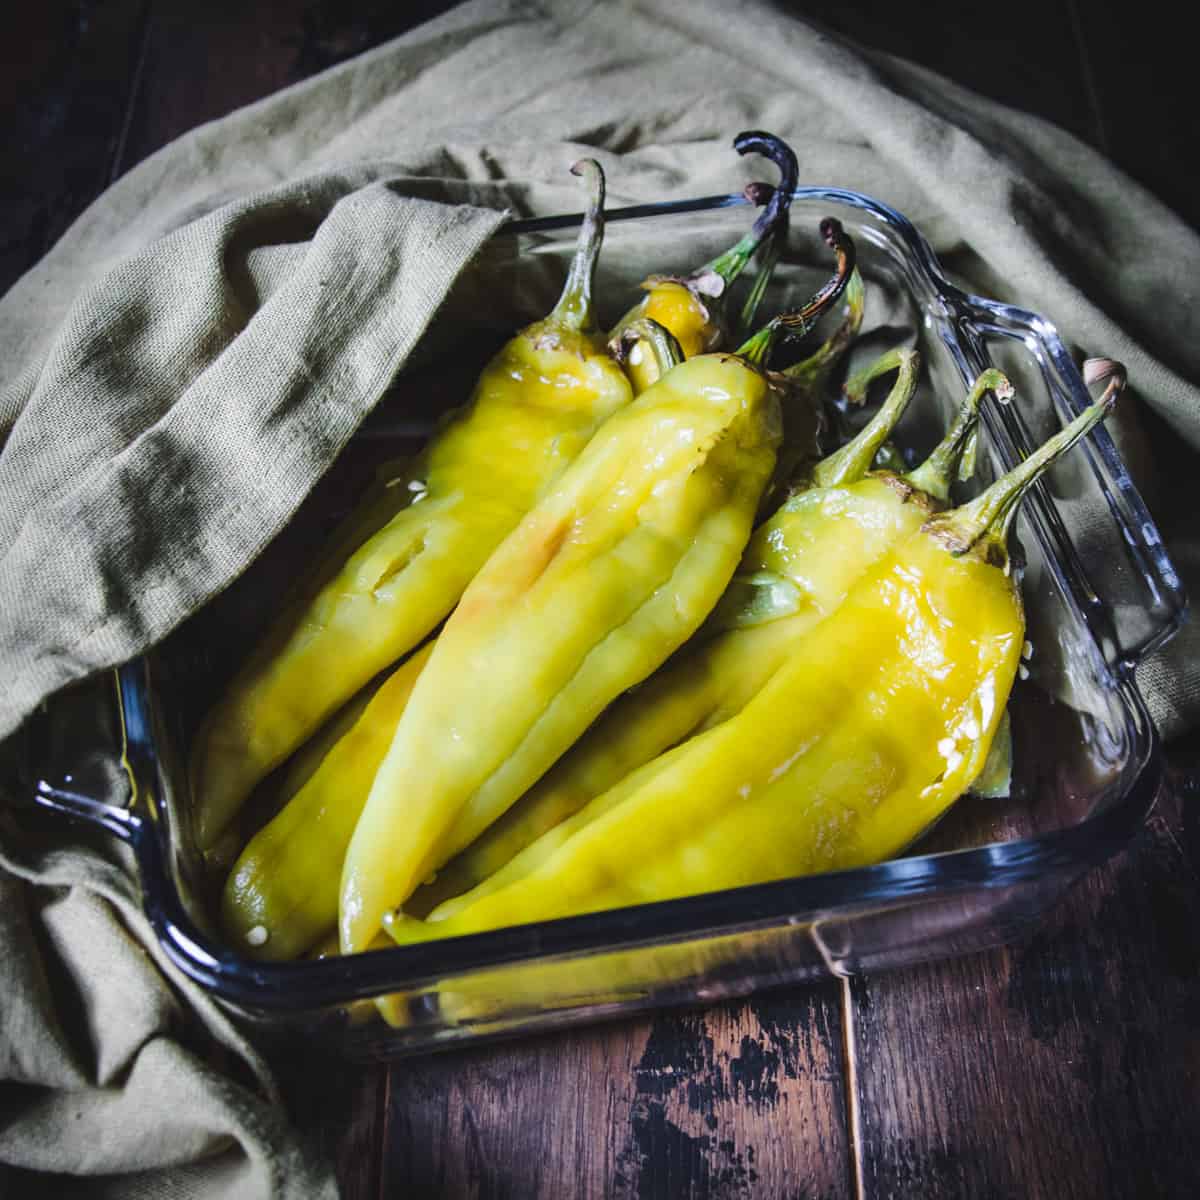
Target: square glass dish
1099,590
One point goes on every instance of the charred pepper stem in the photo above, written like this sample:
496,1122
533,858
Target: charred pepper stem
728,266
799,322
691,306
810,373
771,249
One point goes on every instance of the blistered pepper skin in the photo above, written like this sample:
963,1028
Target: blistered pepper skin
692,308
614,569
678,309
534,407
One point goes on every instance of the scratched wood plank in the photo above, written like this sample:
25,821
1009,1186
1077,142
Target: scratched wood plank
1064,1067
743,1100
664,1105
64,98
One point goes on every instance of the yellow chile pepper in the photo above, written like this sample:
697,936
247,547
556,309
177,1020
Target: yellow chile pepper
798,568
862,738
535,406
674,701
691,307
282,895
610,573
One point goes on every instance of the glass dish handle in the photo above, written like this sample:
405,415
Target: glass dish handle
79,751
1116,565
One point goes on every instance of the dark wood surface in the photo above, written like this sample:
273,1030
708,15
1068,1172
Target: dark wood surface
1064,1067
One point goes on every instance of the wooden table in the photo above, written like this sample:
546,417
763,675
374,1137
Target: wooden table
1065,1067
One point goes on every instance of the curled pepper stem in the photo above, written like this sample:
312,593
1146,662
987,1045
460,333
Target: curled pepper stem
935,475
728,266
574,307
982,524
757,349
813,370
852,461
648,335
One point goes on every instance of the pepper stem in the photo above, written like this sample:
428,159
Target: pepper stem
728,266
986,519
574,307
853,460
812,371
645,335
757,349
771,249
935,475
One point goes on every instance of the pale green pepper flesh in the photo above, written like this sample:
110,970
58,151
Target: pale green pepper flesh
820,771
837,534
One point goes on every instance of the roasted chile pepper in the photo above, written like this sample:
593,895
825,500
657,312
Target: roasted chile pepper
612,570
282,893
853,748
798,567
692,307
535,406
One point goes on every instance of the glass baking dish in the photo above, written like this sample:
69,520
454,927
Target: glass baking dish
1099,589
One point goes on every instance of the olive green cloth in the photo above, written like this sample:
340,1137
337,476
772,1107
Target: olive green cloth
186,362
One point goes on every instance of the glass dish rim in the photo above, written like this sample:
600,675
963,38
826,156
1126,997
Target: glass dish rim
314,984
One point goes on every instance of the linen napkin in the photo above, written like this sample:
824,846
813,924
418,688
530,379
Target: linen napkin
183,366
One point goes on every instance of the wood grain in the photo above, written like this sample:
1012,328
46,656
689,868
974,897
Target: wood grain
201,63
728,1102
1065,1067
338,1107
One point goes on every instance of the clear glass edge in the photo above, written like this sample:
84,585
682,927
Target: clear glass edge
293,987
304,986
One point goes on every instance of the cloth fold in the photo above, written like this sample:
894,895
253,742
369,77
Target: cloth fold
187,361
